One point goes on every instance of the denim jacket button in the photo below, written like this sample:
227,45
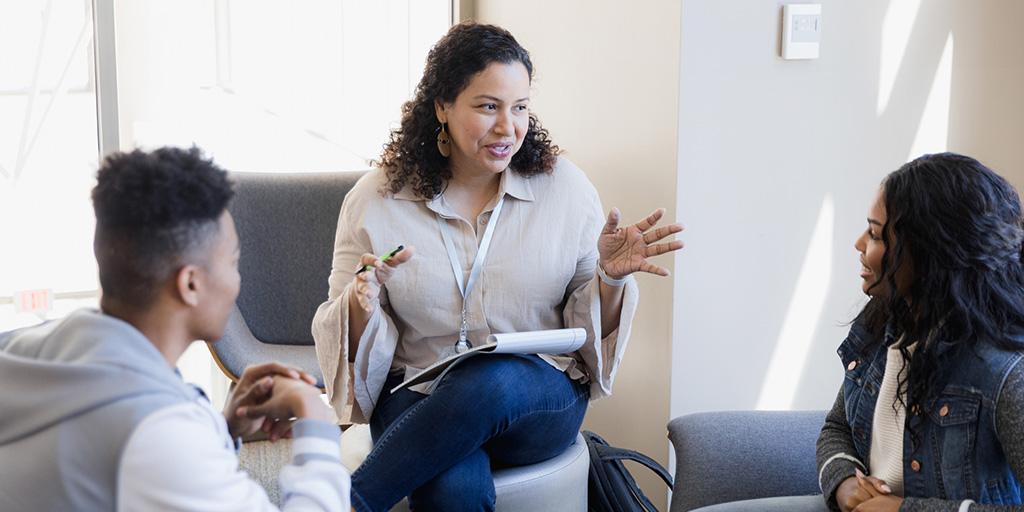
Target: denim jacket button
944,411
851,366
915,465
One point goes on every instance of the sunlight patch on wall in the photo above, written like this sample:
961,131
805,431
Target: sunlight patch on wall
933,129
779,389
897,27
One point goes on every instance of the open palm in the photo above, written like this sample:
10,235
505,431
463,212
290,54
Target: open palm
625,250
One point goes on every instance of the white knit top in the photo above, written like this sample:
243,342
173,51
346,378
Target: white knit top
886,457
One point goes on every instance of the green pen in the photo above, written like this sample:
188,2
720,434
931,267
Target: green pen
386,257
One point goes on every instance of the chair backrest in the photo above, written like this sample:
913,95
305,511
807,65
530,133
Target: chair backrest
741,455
286,224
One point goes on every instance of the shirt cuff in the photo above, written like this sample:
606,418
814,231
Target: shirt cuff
315,440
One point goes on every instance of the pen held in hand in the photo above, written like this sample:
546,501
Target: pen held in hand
384,258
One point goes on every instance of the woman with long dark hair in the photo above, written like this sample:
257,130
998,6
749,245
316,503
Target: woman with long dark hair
931,412
508,237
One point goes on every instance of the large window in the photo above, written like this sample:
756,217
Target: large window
260,85
268,85
47,154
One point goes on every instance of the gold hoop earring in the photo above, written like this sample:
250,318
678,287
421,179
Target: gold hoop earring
444,143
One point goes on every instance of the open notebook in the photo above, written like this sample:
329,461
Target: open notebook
553,341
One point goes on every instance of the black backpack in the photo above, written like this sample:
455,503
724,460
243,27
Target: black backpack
611,487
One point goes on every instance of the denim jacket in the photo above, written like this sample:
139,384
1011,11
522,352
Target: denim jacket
958,455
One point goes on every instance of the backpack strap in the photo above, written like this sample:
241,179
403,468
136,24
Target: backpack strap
606,452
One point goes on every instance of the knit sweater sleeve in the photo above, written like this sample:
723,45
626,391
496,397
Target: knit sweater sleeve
836,454
1010,432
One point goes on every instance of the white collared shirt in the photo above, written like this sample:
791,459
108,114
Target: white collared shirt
182,458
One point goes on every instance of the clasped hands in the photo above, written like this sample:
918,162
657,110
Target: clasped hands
622,251
268,396
862,493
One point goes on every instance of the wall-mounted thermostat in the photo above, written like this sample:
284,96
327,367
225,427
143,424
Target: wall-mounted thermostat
801,31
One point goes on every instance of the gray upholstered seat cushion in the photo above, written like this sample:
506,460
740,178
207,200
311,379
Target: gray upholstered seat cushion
778,504
733,456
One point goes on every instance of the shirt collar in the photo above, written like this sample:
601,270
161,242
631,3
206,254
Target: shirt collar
512,183
516,185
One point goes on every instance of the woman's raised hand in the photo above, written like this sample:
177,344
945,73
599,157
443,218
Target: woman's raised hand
367,284
625,250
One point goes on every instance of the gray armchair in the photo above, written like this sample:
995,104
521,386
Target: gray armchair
727,457
286,224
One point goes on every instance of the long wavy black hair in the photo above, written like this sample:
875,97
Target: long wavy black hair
957,226
411,155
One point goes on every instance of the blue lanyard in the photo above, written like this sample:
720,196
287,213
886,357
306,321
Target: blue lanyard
478,264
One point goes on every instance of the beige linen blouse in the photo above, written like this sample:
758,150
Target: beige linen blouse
540,273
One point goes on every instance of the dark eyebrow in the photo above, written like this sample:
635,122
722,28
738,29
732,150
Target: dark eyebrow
875,222
492,98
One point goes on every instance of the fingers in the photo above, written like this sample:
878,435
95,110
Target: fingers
256,372
863,484
256,393
612,225
662,232
403,256
656,249
651,220
257,411
280,429
651,268
368,259
878,484
366,292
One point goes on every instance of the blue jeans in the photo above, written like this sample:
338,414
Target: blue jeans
489,411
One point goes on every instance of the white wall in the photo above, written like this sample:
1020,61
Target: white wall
770,164
778,161
607,88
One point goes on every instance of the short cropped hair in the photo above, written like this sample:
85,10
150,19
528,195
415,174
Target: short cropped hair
152,210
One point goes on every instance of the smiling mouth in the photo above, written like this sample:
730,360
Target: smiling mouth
499,150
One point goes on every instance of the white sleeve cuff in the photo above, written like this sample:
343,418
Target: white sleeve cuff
315,439
844,456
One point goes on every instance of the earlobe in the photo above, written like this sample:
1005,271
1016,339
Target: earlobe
187,285
439,110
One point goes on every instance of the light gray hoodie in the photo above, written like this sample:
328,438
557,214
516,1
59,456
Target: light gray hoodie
71,393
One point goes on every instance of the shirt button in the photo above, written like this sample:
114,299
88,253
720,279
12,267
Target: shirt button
851,366
944,411
915,465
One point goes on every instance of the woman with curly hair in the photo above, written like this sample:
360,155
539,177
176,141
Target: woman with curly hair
499,234
931,412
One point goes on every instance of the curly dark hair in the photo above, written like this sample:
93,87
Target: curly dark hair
959,227
411,155
152,209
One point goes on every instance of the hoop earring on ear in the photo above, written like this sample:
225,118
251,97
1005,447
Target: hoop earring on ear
444,143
